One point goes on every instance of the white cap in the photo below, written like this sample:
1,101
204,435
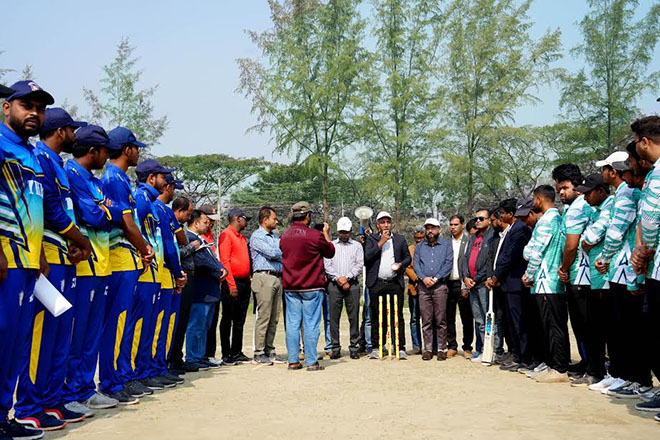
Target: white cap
432,221
617,156
344,224
383,214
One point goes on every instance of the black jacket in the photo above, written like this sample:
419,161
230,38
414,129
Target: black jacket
208,272
511,265
482,258
372,257
461,252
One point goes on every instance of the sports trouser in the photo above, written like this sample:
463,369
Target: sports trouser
135,353
576,298
631,339
600,326
161,324
175,353
91,294
652,329
16,315
554,320
45,356
173,322
121,291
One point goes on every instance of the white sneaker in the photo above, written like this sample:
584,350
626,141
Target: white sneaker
541,367
217,362
79,408
534,374
619,383
604,383
476,360
403,355
99,401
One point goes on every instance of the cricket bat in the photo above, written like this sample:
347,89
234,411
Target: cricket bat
489,333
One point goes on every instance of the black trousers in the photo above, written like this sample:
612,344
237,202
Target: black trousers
175,356
382,288
536,343
554,320
234,311
600,326
652,328
516,323
337,297
632,339
455,299
576,297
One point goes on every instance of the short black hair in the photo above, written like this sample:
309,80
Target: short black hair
495,212
47,134
115,154
648,127
181,204
545,191
631,148
484,209
457,216
80,151
196,215
567,171
300,217
509,206
264,213
471,224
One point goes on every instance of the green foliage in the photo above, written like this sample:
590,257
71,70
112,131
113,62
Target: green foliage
121,102
27,73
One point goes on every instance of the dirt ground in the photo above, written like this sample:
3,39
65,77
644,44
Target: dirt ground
368,399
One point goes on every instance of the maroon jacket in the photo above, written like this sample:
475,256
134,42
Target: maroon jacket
303,250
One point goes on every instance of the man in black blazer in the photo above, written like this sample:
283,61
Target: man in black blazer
509,267
386,257
458,294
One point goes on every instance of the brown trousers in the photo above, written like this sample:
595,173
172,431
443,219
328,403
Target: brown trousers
433,308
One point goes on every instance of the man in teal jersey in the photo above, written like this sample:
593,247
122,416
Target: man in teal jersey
574,270
544,252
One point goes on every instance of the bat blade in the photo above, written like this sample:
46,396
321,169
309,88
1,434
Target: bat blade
489,334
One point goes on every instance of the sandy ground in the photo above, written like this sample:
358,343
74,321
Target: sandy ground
368,399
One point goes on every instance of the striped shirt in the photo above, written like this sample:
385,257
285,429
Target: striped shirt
594,236
347,262
544,252
575,221
650,217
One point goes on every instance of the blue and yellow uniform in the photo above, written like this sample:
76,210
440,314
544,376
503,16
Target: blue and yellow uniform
135,353
126,268
168,306
21,233
44,364
96,215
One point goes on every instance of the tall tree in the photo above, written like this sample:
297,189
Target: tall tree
303,89
120,101
601,100
399,115
27,73
494,66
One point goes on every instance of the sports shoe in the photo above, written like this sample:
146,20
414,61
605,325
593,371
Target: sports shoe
584,381
262,359
276,359
240,358
174,378
652,406
79,408
552,376
164,381
476,357
632,391
648,396
536,373
124,398
193,367
403,356
657,417
42,421
619,383
15,430
100,401
135,387
373,354
606,382
214,362
152,384
66,415
354,355
228,360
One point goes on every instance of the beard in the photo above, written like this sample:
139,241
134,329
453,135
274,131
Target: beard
26,128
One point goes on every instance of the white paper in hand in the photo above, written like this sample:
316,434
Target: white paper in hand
50,297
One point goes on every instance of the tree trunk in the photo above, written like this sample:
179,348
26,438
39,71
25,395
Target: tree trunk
324,188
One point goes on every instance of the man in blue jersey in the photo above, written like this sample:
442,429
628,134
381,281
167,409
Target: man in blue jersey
21,233
39,395
129,252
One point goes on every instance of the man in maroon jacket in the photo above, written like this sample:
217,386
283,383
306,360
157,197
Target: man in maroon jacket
303,281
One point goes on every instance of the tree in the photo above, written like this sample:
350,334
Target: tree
493,67
121,102
599,102
3,72
304,89
27,73
399,115
201,174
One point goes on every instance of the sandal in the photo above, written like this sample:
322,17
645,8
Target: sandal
295,366
315,367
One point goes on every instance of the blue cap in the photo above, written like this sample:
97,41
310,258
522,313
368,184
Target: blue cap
57,118
5,91
94,136
151,166
178,184
122,136
22,89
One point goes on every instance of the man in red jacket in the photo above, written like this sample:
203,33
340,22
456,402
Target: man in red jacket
304,281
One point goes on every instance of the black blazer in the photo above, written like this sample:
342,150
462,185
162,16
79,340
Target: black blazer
208,271
372,257
461,252
511,265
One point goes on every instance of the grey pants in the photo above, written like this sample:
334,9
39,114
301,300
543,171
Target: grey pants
268,295
337,298
433,307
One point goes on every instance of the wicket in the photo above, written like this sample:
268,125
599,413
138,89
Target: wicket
389,326
380,327
388,334
396,325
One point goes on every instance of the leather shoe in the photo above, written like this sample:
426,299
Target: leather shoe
295,366
442,355
355,355
427,356
451,353
335,355
417,350
467,354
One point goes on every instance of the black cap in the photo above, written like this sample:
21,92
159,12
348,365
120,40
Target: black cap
238,212
524,206
151,166
5,91
590,182
625,165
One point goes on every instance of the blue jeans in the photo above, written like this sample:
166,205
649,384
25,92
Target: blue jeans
326,323
303,308
415,331
479,303
201,315
366,321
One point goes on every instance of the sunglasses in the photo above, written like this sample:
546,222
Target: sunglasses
480,219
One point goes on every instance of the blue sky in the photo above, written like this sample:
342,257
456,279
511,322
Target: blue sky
189,49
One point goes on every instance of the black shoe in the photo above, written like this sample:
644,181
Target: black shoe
577,367
335,355
15,430
124,398
209,364
240,358
176,369
576,374
513,366
165,381
194,367
152,384
139,386
228,360
355,355
133,389
174,378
